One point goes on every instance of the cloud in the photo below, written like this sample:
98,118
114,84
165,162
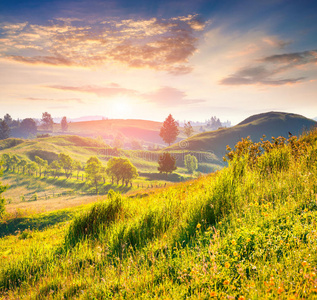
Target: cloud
168,96
78,100
264,70
297,58
111,90
160,44
164,96
274,42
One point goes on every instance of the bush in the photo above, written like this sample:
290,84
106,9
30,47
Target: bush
34,197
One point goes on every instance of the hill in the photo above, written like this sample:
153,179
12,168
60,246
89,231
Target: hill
269,124
245,232
48,148
143,130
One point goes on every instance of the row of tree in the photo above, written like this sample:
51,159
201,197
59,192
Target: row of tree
117,169
27,127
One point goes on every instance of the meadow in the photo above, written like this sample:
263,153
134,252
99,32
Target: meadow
247,231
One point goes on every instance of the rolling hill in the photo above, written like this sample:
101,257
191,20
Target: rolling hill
268,124
147,131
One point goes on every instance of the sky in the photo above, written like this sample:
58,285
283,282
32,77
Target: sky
146,59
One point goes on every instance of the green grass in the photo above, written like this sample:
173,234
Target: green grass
245,232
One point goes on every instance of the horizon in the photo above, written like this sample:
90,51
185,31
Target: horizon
147,60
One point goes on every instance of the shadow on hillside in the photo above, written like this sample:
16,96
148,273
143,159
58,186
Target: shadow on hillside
17,225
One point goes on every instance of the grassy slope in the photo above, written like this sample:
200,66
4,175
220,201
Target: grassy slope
247,232
271,124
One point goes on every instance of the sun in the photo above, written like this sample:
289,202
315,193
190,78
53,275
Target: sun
121,107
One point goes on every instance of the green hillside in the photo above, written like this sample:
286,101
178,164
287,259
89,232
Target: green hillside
271,124
245,232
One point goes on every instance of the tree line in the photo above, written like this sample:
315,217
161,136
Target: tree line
117,169
28,126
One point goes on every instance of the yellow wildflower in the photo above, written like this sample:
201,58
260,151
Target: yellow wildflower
213,294
280,290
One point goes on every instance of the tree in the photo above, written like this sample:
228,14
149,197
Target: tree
167,163
169,131
119,168
64,124
128,171
15,162
118,142
32,167
55,168
47,121
94,172
78,167
42,163
7,161
22,163
188,129
66,162
4,130
28,127
191,163
136,145
214,123
2,200
8,119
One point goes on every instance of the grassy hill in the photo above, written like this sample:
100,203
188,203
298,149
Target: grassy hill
245,232
147,132
270,124
143,130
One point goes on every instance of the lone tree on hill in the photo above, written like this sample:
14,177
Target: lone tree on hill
47,121
64,124
169,131
167,163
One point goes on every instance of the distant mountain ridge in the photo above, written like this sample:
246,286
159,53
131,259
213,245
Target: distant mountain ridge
269,124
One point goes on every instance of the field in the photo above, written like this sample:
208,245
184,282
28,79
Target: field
247,231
